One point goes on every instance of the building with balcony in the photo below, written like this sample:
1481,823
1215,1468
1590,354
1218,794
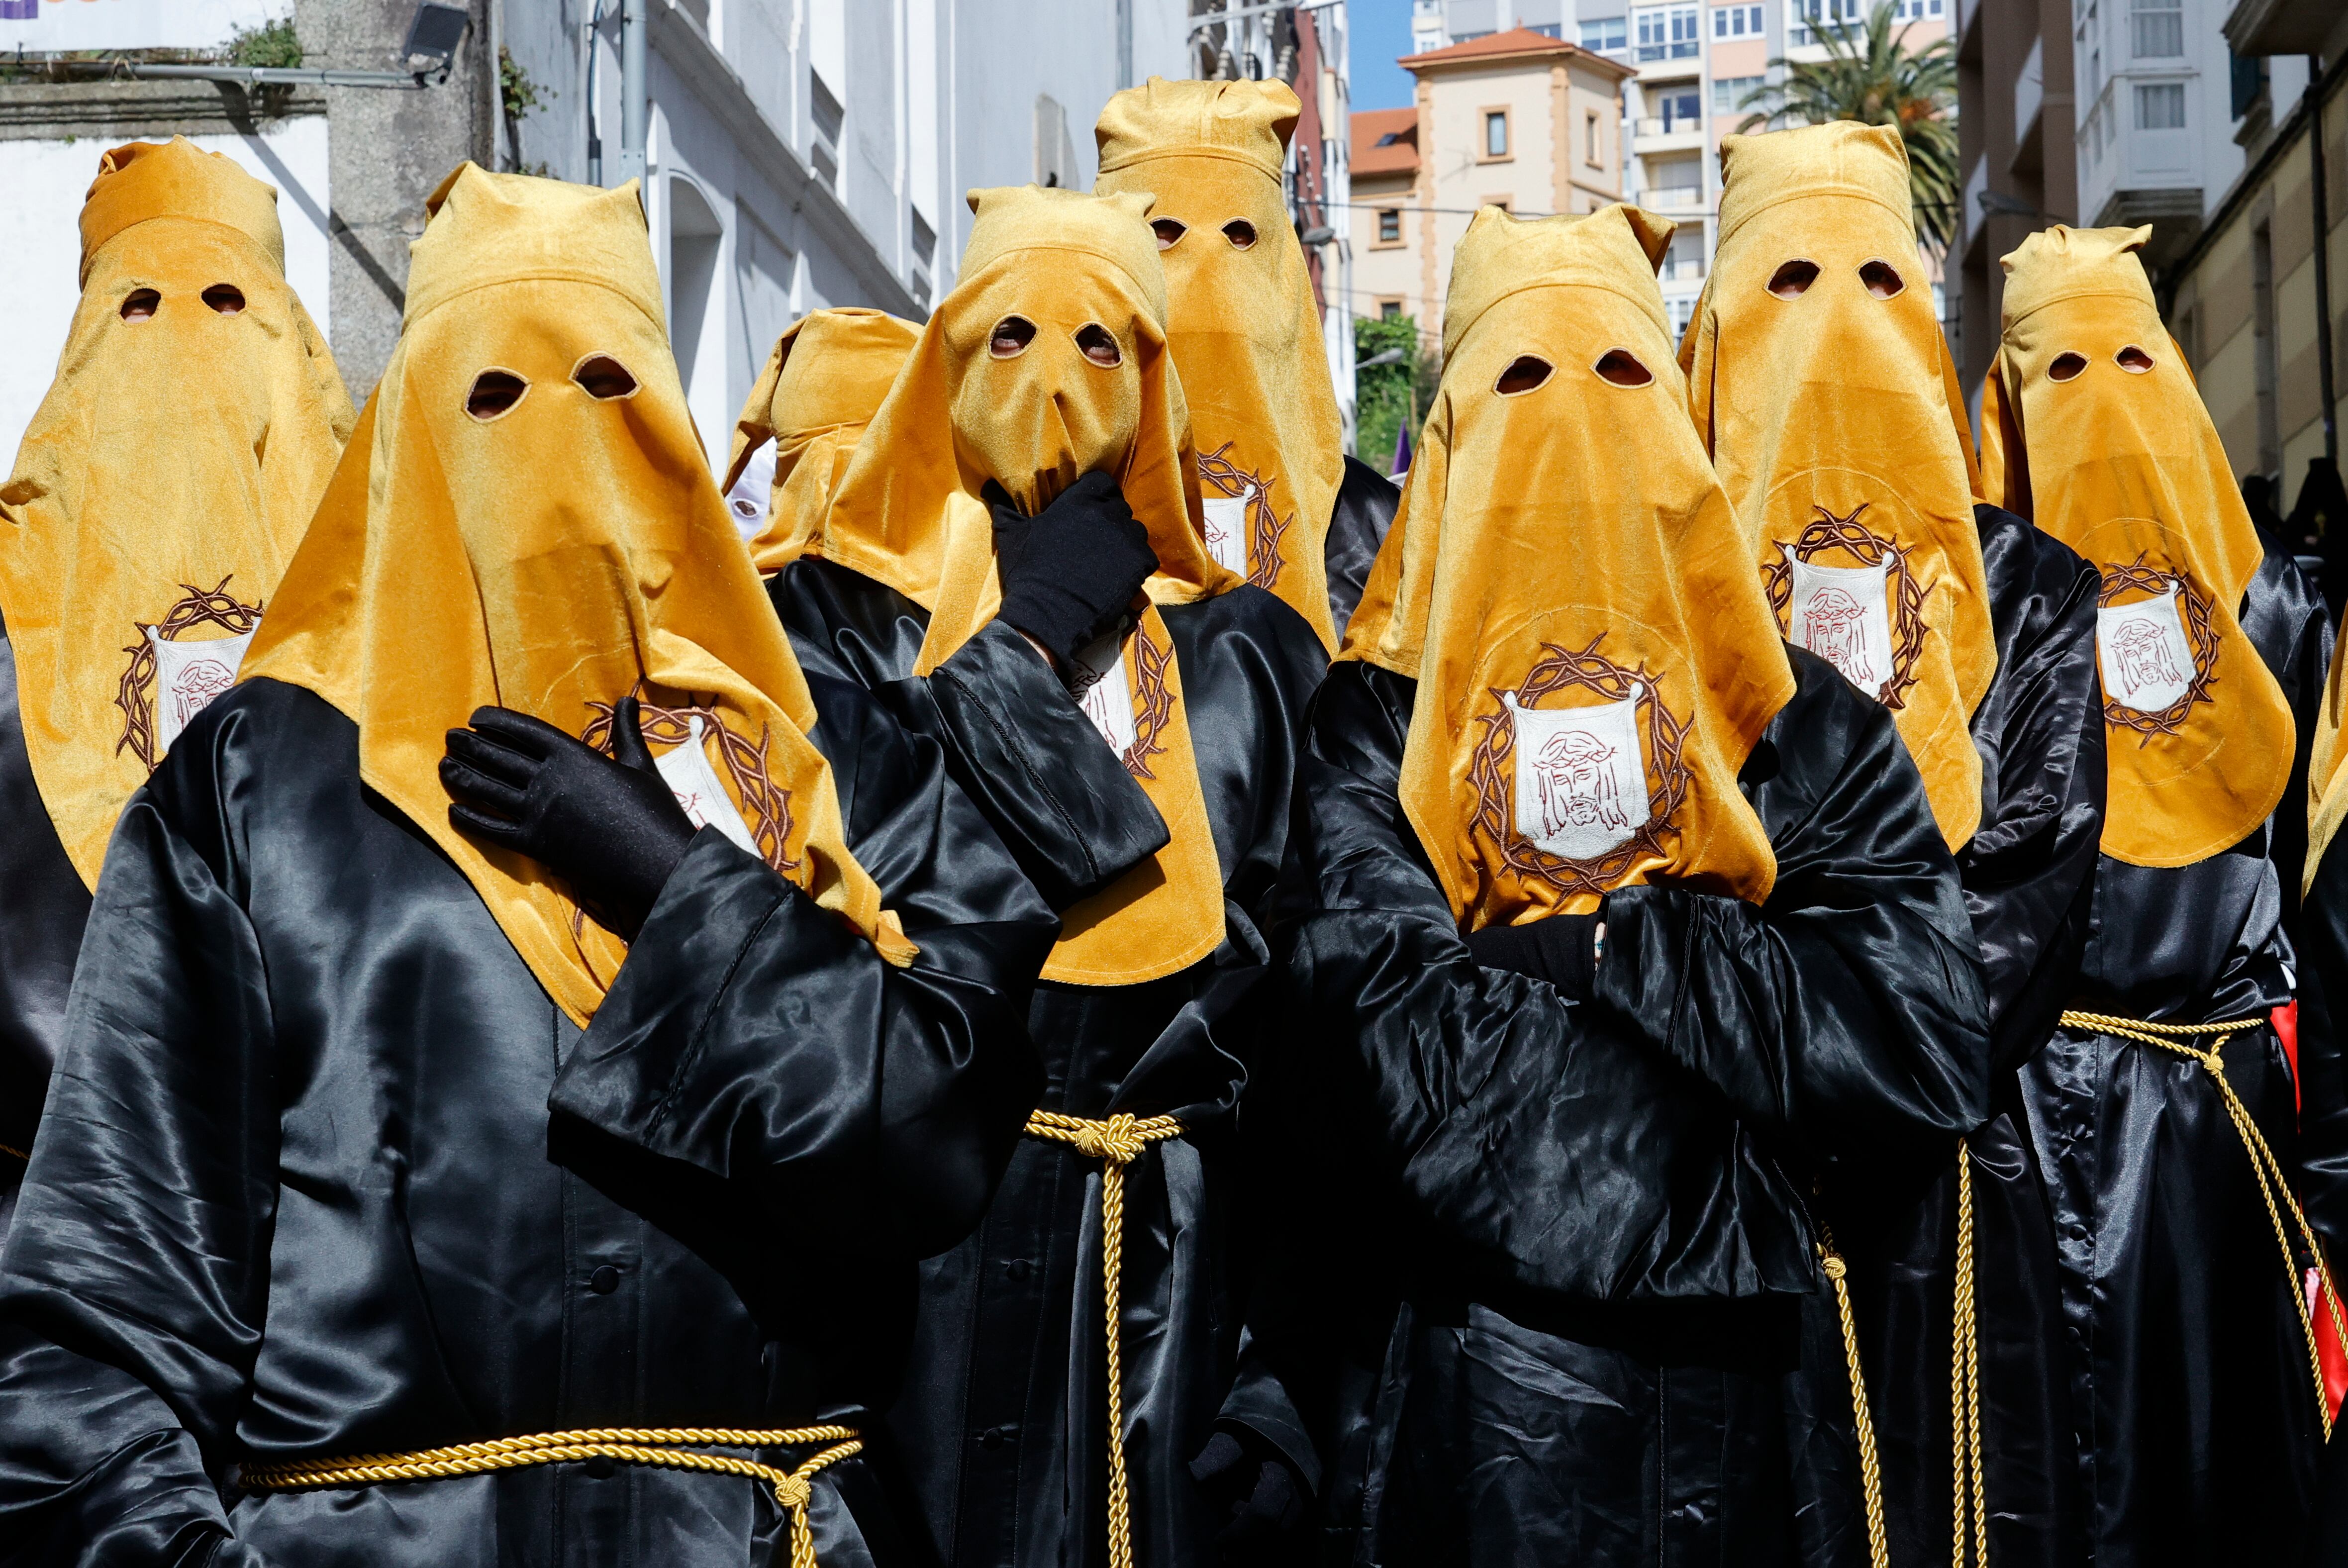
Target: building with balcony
2018,144
1695,64
2252,296
1516,118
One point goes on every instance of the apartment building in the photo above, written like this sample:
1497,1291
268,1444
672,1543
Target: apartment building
1516,118
1693,64
2253,299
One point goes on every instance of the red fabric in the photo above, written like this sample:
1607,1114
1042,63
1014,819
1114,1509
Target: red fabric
2286,1028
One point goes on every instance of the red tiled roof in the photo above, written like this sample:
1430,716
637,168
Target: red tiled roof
1372,126
1515,41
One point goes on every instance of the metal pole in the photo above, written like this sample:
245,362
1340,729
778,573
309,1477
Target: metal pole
259,76
2322,257
635,89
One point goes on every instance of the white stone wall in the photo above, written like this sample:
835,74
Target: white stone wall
40,233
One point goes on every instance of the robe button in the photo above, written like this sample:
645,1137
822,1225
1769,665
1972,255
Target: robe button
604,1280
994,1438
601,1467
1017,1269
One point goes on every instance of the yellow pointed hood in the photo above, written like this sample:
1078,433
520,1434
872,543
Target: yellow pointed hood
166,480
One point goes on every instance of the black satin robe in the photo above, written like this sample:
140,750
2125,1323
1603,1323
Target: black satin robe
1002,1424
2029,876
41,919
328,1173
2197,1425
1594,1214
1358,521
2324,1138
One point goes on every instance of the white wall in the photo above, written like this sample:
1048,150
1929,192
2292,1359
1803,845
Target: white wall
133,24
40,233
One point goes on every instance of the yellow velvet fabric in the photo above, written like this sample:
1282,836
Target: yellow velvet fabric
168,475
1829,418
552,558
1244,331
909,514
2125,467
1569,548
821,386
2327,779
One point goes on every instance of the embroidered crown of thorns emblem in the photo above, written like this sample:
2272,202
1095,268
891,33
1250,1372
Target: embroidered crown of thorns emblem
1867,621
169,681
761,823
2157,655
1575,797
1251,550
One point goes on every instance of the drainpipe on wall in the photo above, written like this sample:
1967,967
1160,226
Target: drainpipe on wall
2322,257
635,89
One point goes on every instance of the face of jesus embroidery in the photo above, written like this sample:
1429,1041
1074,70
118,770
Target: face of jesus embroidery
1868,620
2156,653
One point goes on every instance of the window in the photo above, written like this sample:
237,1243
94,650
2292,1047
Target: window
1549,29
823,153
2158,27
1596,156
1496,134
1728,93
2160,105
1684,260
1814,21
1682,106
1502,203
1667,32
1389,225
1915,10
925,248
1389,309
1604,36
1736,22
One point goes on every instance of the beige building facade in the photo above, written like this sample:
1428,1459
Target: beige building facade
2246,302
1518,119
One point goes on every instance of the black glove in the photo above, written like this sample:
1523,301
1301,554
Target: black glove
1561,949
1251,1483
1071,571
612,829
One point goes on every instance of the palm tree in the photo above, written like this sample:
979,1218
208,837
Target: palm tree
1873,78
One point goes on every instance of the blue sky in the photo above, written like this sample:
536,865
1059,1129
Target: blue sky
1380,35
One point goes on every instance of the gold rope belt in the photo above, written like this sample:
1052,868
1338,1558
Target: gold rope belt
1964,1382
2273,1186
1870,1470
672,1448
1117,1143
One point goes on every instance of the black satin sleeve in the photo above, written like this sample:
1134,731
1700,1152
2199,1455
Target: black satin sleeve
2283,615
754,1035
1625,1149
1365,510
135,1276
1848,1010
1014,742
41,921
2323,1054
2029,870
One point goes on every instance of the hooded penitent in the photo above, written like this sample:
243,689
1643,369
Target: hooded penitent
524,517
166,480
1594,655
821,386
1242,324
2092,427
1819,380
1058,265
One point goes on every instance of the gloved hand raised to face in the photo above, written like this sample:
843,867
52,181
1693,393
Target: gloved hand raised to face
1070,571
1259,1495
610,827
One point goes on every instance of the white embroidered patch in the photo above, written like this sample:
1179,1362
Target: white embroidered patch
694,783
2147,661
1582,776
1102,689
748,500
1226,532
1841,615
188,675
